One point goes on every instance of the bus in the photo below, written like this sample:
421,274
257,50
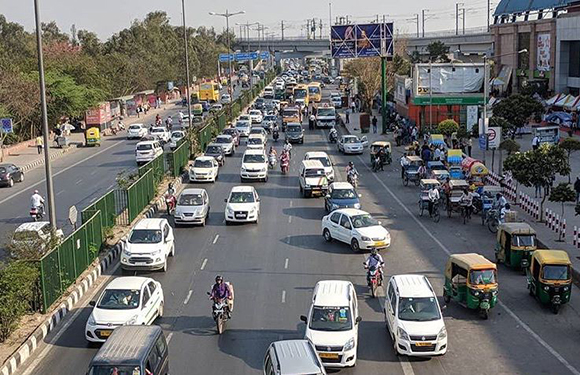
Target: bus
315,92
209,91
301,95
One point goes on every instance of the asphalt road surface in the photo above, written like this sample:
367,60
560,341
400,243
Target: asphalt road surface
274,266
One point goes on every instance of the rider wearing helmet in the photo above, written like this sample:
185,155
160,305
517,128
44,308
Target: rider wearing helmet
36,200
374,260
350,171
221,290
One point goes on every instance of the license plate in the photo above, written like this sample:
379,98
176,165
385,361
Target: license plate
106,333
328,355
241,216
423,344
140,264
380,243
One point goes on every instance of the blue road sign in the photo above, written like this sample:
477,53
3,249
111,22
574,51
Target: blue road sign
242,56
225,57
482,142
253,55
265,55
6,125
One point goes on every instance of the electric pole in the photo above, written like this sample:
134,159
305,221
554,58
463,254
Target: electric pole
417,24
423,21
282,28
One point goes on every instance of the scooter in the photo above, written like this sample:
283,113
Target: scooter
272,161
37,213
285,166
353,180
374,279
275,135
333,136
170,202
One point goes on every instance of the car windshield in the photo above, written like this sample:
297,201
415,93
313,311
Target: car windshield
523,240
323,159
177,135
2,170
157,130
114,370
230,131
482,277
330,319
244,118
254,158
256,131
326,112
270,118
242,125
242,197
119,299
290,113
299,94
314,173
255,141
145,236
294,128
313,90
147,146
223,140
363,221
202,163
255,113
343,194
190,200
421,309
559,272
351,140
134,127
213,150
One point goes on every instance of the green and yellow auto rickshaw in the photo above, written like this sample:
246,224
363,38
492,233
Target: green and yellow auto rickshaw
550,278
471,280
93,137
515,244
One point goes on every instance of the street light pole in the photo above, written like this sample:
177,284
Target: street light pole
47,167
189,119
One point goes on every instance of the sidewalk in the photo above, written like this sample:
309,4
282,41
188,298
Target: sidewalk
27,157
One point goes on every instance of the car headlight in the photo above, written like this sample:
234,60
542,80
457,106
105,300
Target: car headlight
243,168
133,320
263,170
357,206
156,252
253,210
91,321
127,252
565,289
306,185
442,334
349,344
364,238
546,288
402,334
230,211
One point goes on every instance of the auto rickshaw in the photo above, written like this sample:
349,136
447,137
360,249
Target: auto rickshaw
440,175
456,172
197,109
435,165
474,171
93,137
456,188
437,140
376,147
425,186
471,280
549,277
411,170
515,244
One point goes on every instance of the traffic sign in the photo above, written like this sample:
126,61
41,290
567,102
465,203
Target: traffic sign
225,57
72,215
265,55
493,137
7,126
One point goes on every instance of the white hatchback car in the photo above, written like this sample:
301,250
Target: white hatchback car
242,205
254,165
256,116
243,127
413,316
126,300
324,159
145,151
351,144
255,142
192,207
204,168
160,133
136,131
149,245
227,143
357,228
176,136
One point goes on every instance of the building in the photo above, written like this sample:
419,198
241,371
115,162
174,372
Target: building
567,77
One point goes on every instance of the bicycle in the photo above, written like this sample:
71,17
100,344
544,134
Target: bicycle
465,213
492,220
435,214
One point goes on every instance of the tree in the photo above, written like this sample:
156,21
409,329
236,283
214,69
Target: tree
438,52
538,167
510,146
570,145
562,193
368,73
517,110
448,127
497,121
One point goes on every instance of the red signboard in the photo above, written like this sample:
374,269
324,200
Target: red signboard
98,115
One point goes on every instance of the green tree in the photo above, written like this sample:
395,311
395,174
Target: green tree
447,127
538,167
561,194
438,52
570,145
368,73
517,110
496,121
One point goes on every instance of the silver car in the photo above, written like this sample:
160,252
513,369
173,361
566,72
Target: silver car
227,143
192,207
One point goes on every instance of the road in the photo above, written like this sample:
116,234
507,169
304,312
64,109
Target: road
80,178
275,265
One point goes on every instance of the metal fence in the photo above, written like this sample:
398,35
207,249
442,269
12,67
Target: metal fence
140,193
158,167
64,264
179,158
107,207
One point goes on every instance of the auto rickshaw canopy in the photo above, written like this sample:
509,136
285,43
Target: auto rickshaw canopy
381,144
471,261
478,169
413,158
516,229
437,139
458,184
554,257
427,182
454,156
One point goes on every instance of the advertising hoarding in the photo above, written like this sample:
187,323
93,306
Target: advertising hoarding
367,40
543,52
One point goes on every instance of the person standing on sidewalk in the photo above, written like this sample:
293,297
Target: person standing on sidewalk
577,189
469,146
535,142
353,106
39,144
347,114
375,121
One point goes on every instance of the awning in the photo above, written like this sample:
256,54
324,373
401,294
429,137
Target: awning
468,162
573,104
564,100
454,156
554,99
478,169
437,139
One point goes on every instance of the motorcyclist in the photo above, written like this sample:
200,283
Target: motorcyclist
311,122
351,172
221,290
275,132
272,156
169,122
500,202
170,200
374,260
333,135
157,119
36,201
502,212
288,148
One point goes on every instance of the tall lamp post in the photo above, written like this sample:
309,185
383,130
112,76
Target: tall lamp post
189,119
227,16
47,167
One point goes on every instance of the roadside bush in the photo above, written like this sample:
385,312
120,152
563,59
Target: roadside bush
18,292
448,127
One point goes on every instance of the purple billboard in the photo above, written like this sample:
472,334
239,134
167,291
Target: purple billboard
368,40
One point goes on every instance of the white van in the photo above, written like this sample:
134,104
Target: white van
312,178
413,316
332,322
292,357
146,151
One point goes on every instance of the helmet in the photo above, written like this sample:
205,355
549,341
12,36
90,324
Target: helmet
374,251
35,191
219,278
350,164
498,195
507,206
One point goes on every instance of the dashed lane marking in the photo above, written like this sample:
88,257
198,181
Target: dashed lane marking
203,264
286,264
283,296
216,238
186,300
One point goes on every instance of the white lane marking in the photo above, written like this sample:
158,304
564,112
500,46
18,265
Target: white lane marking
534,335
289,219
406,366
291,202
283,296
286,264
59,172
186,300
112,186
203,264
94,171
216,238
169,337
79,181
59,193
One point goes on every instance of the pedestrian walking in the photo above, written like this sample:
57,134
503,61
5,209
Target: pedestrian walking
538,192
353,106
39,144
375,121
535,142
577,189
469,146
347,114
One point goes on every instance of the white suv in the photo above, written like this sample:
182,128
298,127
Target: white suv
332,322
324,159
254,165
413,316
136,131
148,246
146,151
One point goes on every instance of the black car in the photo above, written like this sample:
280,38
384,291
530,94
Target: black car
259,103
217,152
9,174
294,133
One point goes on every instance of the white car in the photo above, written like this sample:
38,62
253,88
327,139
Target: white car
242,205
145,151
126,300
226,99
259,131
227,143
192,207
254,165
255,142
351,144
256,116
136,131
336,101
245,118
243,127
356,228
204,168
216,107
159,133
148,246
413,316
176,136
324,159
332,323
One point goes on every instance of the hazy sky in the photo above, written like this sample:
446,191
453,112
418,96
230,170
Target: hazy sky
106,17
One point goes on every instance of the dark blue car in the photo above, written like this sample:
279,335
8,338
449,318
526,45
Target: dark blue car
341,195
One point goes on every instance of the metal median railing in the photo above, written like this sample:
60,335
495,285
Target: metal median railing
179,158
140,193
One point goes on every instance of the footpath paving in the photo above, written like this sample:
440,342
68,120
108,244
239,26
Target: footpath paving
546,234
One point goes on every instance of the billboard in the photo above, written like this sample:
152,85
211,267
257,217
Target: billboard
543,52
448,79
368,40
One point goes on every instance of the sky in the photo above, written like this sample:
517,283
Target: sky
106,17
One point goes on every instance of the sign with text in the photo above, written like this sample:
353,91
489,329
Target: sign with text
368,40
7,126
472,116
493,137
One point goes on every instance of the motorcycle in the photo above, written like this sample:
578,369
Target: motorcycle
272,161
353,180
37,213
333,136
285,166
219,314
374,279
275,135
170,202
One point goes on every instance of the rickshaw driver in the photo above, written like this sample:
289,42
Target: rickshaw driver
434,196
466,200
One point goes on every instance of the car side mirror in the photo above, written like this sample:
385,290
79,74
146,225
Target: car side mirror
380,223
327,196
358,319
93,303
304,318
226,200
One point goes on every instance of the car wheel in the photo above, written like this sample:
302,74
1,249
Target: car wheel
326,235
21,177
172,253
160,311
164,269
10,182
354,245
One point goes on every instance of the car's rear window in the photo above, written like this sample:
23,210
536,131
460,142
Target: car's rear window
144,147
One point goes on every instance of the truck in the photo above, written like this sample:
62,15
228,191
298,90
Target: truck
325,116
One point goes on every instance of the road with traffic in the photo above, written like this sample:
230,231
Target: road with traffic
275,264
